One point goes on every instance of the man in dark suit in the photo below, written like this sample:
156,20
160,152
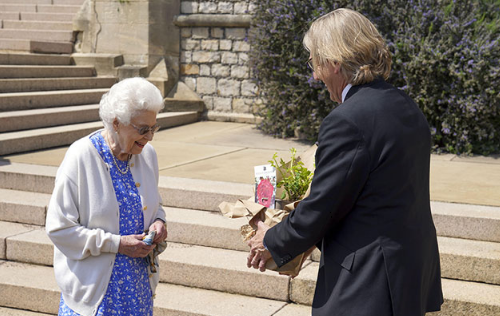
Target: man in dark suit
369,209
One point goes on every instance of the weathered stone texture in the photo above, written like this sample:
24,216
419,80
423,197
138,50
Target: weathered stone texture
206,85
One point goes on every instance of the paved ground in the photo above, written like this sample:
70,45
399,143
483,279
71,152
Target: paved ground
229,151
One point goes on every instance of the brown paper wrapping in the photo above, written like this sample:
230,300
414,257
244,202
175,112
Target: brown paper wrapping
271,217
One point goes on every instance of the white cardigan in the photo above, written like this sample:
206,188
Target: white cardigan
83,221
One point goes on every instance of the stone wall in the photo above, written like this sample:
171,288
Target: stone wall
214,57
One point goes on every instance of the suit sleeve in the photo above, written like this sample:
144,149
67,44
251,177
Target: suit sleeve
342,167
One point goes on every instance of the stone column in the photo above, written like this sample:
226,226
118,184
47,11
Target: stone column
142,31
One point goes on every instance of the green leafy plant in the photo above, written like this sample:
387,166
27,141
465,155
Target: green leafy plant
445,53
295,177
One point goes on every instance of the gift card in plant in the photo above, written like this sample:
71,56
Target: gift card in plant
265,185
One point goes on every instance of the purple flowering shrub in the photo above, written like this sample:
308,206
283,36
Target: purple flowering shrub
446,56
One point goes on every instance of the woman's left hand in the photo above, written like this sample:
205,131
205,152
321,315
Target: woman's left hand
161,231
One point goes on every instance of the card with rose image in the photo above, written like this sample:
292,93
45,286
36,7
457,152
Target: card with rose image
265,185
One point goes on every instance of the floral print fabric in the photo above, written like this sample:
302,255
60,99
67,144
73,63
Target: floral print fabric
129,292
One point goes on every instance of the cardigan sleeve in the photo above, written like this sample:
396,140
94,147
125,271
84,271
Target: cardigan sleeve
64,215
342,167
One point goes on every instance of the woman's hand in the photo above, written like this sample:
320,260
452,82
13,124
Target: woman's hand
133,246
161,231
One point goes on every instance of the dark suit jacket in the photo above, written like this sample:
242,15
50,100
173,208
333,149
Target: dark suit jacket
368,210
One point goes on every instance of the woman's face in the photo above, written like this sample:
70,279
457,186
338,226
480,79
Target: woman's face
129,140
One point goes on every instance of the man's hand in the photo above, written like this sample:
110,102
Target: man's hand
258,254
161,231
133,246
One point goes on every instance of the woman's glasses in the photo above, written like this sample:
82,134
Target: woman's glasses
146,129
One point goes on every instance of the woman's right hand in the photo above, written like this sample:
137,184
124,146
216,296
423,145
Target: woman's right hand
133,246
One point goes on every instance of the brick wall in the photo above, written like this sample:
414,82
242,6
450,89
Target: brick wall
214,57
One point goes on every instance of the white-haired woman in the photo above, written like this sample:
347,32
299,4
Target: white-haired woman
368,210
105,198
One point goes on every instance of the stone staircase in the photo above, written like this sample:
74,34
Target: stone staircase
48,101
38,26
51,99
203,271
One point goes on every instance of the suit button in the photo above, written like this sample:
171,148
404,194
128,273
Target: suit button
144,208
137,184
132,164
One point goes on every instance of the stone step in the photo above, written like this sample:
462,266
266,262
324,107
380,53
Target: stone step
45,71
10,7
34,288
180,263
175,192
9,16
27,238
43,35
23,207
225,270
51,84
469,299
26,177
45,99
68,2
199,194
34,59
26,1
10,230
19,312
462,298
23,45
53,17
67,9
470,260
16,142
12,121
36,25
219,269
192,227
462,259
467,221
451,219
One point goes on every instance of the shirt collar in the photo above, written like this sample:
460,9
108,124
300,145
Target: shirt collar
344,92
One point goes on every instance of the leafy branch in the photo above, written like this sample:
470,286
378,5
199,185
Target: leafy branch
295,177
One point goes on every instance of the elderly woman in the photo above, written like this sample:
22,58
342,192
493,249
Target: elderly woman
105,198
368,210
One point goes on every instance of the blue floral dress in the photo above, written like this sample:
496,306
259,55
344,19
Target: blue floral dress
129,292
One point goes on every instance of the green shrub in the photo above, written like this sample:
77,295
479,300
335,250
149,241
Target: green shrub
445,56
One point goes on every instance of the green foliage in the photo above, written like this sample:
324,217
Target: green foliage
446,56
295,177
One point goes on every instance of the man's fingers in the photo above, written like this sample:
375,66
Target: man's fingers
250,257
255,261
262,266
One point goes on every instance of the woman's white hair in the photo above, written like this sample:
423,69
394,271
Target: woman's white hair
128,97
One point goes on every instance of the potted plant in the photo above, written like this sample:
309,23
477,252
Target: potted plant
293,177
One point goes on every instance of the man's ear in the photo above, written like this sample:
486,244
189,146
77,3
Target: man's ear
335,67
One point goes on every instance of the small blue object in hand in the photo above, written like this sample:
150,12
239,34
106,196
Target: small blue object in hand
148,239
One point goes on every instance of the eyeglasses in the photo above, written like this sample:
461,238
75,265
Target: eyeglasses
146,129
310,64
